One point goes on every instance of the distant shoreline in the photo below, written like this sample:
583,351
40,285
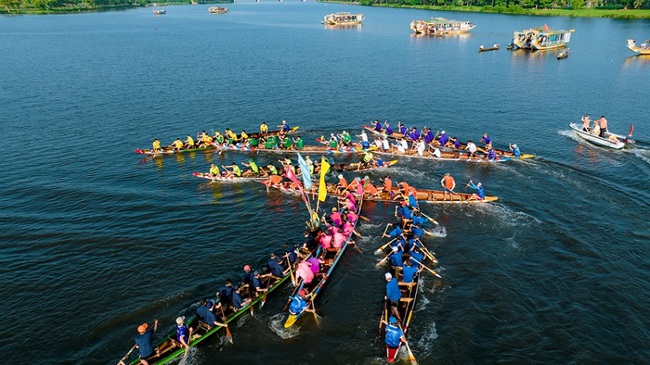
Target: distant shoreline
512,10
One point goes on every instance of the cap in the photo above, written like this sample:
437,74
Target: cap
250,160
388,276
514,145
247,267
302,292
479,184
443,132
180,320
392,320
340,176
395,249
143,328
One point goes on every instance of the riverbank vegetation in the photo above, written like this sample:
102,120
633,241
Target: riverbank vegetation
623,9
74,6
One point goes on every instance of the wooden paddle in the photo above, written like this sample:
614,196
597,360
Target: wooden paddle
428,253
189,339
381,262
411,356
293,279
430,219
364,218
381,320
315,315
431,271
121,362
228,334
382,248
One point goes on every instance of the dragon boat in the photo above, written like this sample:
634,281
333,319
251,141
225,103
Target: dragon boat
329,258
169,348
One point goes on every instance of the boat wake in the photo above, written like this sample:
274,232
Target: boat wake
439,231
190,357
423,343
276,324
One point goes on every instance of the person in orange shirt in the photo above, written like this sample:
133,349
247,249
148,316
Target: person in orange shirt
342,184
388,185
449,184
369,188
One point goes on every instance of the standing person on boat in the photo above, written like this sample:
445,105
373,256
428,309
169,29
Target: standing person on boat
393,294
515,150
299,303
189,142
182,332
486,139
156,146
586,122
471,148
448,184
254,169
480,191
144,341
264,129
602,123
394,334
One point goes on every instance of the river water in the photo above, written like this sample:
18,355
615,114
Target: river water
96,240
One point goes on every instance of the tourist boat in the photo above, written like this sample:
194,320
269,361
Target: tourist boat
495,47
343,19
217,10
423,195
643,49
563,54
168,347
328,258
613,140
541,38
159,11
441,26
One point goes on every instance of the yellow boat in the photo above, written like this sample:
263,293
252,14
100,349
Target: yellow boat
541,38
643,49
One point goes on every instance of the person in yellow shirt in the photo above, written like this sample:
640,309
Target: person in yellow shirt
156,146
243,137
177,144
189,142
264,129
206,139
214,171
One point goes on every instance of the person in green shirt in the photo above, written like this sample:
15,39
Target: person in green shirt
236,171
253,142
333,142
272,169
299,143
254,169
346,138
287,143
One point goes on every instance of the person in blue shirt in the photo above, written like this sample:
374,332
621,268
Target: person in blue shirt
409,271
417,231
237,301
428,135
413,201
515,150
289,252
395,232
299,303
402,128
257,284
480,191
182,332
396,257
393,294
205,311
394,334
443,139
419,220
491,154
274,266
225,293
416,255
486,139
144,341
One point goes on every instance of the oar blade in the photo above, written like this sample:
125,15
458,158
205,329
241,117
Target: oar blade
290,321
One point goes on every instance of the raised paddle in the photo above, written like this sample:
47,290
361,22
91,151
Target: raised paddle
427,252
386,229
228,334
293,279
121,362
431,271
381,249
381,262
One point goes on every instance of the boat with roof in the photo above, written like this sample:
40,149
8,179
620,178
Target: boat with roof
343,18
441,26
541,38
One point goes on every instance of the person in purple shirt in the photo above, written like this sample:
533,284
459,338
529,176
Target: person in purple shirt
456,142
486,139
389,130
491,154
415,134
402,128
315,265
377,125
443,138
428,135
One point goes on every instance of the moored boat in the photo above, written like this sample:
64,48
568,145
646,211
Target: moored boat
541,38
643,49
613,140
563,54
343,18
159,11
217,10
495,47
441,26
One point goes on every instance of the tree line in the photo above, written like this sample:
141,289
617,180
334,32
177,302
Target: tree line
513,4
53,6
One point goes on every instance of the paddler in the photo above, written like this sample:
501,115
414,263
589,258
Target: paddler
232,136
377,126
366,160
299,303
206,139
346,138
182,332
342,185
448,184
177,144
333,143
254,169
236,171
189,142
471,148
243,136
394,334
393,294
443,139
486,139
299,143
214,171
272,169
144,341
480,191
287,143
264,129
515,150
156,146
218,138
491,154
388,129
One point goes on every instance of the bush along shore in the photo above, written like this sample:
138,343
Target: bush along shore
14,7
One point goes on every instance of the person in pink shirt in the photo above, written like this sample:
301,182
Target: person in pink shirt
338,240
326,241
336,218
304,272
352,217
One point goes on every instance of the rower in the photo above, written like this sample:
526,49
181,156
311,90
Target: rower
394,334
304,272
395,257
491,154
515,150
480,191
182,332
232,137
443,139
264,129
428,136
471,148
225,293
272,169
206,314
236,171
299,303
177,144
254,169
274,266
218,138
388,129
377,125
156,146
409,272
448,183
237,301
189,142
388,184
366,160
206,139
402,128
393,294
214,171
486,139
299,143
144,341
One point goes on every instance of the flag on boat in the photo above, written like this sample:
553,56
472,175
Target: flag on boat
322,187
289,173
306,174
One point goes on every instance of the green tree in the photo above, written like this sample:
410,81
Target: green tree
576,4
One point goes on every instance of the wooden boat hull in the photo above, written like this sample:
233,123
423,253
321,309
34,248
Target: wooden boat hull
423,195
488,49
598,141
329,259
170,351
170,151
460,156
